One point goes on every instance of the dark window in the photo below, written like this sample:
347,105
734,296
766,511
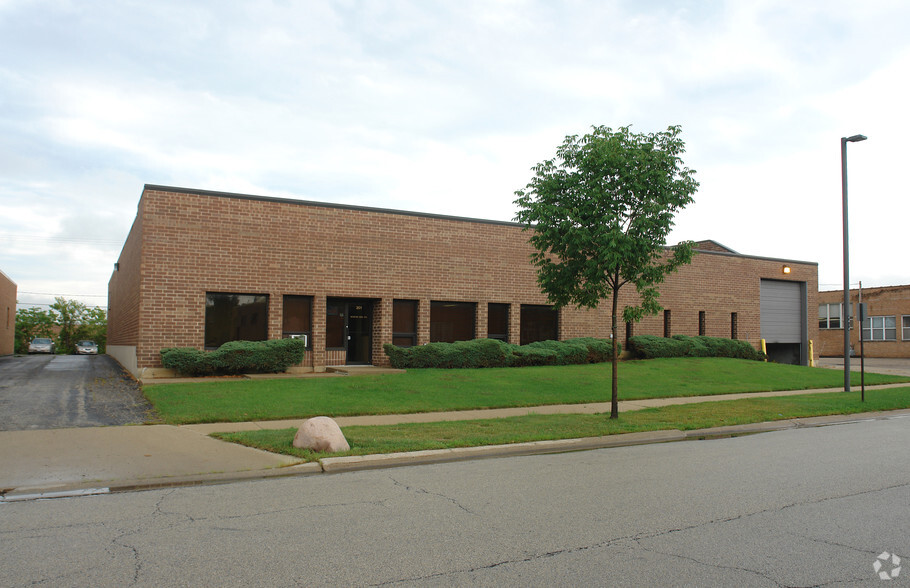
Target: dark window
702,326
298,318
630,332
667,325
451,321
538,323
498,321
235,317
734,325
334,325
404,323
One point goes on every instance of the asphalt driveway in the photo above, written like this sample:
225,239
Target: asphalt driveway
880,365
61,391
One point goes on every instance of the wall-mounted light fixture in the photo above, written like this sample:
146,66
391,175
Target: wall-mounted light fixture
786,269
116,267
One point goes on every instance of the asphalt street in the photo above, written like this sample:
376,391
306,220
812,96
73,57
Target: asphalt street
62,391
801,507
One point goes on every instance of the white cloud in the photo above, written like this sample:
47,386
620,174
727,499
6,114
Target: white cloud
442,107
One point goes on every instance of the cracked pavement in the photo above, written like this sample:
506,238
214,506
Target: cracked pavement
801,507
60,391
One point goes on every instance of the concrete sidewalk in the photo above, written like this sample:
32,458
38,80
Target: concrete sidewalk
46,463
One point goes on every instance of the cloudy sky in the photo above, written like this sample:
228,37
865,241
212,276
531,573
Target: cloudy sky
444,107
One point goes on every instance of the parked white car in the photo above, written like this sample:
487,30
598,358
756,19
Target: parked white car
42,345
86,348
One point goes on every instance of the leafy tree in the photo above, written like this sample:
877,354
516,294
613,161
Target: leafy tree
94,326
601,211
77,322
67,321
68,316
30,323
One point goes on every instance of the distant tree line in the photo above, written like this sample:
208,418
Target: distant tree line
66,322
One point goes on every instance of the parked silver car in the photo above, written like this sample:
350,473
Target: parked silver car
42,345
86,348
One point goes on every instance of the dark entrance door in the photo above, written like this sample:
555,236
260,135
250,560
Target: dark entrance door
360,330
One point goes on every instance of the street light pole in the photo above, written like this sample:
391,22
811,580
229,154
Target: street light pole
846,310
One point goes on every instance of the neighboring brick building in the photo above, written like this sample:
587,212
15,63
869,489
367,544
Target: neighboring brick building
886,331
8,292
200,268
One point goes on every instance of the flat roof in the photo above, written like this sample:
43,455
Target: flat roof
897,287
328,205
238,196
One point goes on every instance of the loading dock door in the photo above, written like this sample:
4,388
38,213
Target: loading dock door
784,324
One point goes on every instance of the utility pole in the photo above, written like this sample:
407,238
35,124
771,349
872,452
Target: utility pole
862,351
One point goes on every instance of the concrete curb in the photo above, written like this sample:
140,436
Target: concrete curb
387,460
331,465
359,462
100,487
737,430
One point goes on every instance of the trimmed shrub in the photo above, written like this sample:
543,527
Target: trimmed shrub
480,353
286,352
399,357
525,355
651,347
186,361
693,346
599,350
566,353
476,353
235,357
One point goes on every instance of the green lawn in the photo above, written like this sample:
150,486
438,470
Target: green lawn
443,435
437,390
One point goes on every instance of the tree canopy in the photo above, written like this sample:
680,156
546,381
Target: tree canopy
600,214
67,321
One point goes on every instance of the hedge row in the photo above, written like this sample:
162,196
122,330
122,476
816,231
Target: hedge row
480,353
235,357
650,347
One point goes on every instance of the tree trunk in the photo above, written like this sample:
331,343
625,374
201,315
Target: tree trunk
614,399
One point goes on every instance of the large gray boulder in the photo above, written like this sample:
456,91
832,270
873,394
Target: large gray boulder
321,434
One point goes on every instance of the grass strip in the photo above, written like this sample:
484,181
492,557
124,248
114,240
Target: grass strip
433,390
365,440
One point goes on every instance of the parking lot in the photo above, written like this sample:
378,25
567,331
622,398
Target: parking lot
57,391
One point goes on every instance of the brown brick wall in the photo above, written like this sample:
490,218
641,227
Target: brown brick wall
193,243
124,290
886,301
8,292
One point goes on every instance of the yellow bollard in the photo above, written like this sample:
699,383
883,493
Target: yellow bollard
764,349
811,354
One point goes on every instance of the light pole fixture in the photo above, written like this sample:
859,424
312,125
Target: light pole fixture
786,269
846,311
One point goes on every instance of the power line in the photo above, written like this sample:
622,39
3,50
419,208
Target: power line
23,304
70,295
58,239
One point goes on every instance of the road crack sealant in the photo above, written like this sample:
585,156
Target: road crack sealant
638,538
428,493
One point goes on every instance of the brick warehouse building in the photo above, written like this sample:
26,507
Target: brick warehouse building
886,331
201,268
